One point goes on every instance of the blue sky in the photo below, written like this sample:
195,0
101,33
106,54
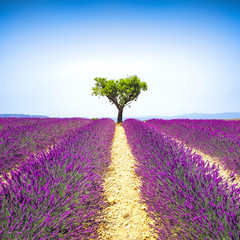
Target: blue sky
188,52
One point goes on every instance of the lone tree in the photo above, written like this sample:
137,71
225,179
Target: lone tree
119,92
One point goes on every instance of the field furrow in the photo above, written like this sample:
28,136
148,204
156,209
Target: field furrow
227,174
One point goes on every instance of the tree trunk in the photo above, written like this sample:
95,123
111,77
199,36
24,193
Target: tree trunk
120,112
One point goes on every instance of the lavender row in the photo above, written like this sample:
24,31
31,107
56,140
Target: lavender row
19,138
59,195
217,138
186,198
13,122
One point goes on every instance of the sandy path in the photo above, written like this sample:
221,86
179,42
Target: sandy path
125,218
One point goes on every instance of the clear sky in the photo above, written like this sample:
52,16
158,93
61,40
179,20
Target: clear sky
188,52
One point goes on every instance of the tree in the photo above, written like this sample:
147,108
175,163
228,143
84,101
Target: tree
119,92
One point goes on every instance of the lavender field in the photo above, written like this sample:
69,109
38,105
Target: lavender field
20,137
58,194
186,197
217,138
51,186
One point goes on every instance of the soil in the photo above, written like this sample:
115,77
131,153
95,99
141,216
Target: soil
16,166
124,217
224,173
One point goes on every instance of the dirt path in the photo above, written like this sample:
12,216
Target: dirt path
125,218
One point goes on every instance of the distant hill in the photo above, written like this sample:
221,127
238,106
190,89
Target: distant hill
227,115
22,116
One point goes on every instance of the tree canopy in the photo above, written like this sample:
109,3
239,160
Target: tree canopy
119,92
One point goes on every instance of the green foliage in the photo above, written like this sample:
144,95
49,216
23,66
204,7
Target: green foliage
119,92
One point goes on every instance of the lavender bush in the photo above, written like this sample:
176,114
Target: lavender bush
217,138
20,137
59,194
186,198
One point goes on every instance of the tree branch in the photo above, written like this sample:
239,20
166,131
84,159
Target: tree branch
114,101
